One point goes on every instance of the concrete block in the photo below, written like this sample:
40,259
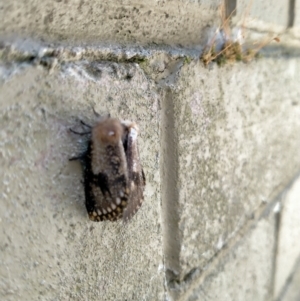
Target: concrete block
50,250
165,22
289,234
263,15
245,273
235,137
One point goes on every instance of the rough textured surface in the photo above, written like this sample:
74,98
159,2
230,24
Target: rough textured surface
49,248
296,19
245,273
292,291
218,146
167,22
288,244
253,13
236,135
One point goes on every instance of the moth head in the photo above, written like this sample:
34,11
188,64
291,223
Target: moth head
108,131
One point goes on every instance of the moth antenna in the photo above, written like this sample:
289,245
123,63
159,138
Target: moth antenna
99,116
95,112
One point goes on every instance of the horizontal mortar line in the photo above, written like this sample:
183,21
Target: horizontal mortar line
91,52
12,50
263,211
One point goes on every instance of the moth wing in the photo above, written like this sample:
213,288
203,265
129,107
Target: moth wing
136,196
136,177
106,193
105,203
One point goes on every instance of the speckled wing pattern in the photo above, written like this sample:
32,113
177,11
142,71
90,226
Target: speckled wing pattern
113,177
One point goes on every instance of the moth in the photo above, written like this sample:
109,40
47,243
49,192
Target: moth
114,180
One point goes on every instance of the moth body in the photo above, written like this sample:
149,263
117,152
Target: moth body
113,177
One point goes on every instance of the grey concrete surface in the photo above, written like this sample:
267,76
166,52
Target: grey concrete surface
253,14
236,131
296,23
288,242
292,291
50,250
218,146
164,22
246,272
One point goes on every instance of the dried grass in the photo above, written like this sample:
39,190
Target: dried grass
232,49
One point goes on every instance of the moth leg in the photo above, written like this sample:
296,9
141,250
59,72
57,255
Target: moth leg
78,158
85,124
143,178
78,133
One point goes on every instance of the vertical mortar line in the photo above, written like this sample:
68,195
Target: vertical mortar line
278,221
275,253
230,8
291,12
284,290
169,189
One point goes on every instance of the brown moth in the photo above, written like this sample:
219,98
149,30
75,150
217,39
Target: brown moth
114,180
